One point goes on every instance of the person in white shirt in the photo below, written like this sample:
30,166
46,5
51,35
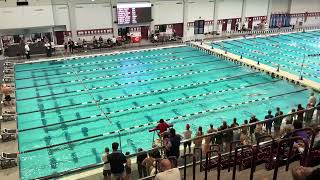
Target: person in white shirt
312,99
168,173
114,41
106,165
27,50
187,135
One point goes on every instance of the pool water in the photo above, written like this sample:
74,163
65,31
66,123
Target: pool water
94,101
288,51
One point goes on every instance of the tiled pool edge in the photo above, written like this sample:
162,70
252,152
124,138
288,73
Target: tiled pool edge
254,65
102,54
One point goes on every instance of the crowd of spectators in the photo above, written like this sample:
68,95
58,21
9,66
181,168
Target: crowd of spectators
146,162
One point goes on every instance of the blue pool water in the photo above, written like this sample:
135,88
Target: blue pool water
95,101
289,51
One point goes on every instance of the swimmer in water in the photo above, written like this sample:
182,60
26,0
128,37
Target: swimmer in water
6,90
255,94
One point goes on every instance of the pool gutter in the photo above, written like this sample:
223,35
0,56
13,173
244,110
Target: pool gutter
274,72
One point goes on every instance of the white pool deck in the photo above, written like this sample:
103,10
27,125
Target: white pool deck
261,67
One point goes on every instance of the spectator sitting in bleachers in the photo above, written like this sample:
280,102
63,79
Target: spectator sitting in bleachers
305,173
168,173
148,163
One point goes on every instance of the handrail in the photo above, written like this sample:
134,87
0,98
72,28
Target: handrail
93,165
236,158
248,125
291,141
201,161
208,157
193,166
183,141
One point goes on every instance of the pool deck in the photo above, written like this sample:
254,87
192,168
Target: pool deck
254,65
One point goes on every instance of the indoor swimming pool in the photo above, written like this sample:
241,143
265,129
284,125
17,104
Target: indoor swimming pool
287,51
70,110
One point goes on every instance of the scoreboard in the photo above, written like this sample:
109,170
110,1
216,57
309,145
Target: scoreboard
134,13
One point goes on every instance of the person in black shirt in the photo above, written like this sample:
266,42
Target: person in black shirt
300,114
117,160
269,123
252,128
278,121
175,144
141,169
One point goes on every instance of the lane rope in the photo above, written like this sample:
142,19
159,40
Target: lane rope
168,120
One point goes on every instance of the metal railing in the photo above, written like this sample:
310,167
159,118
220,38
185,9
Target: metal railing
201,161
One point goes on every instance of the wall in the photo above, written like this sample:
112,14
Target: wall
13,3
300,6
26,16
168,12
229,9
200,9
256,8
61,15
93,16
280,6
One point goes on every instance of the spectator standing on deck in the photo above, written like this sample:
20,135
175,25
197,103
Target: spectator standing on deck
309,114
162,127
148,163
236,133
117,159
252,128
27,50
312,99
269,123
198,142
187,134
6,90
278,121
300,114
175,144
128,166
244,133
106,164
141,169
211,130
224,136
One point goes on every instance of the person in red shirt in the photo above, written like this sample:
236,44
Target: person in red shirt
162,127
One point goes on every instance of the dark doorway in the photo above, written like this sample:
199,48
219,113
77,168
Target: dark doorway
233,24
144,32
224,24
250,23
178,29
60,37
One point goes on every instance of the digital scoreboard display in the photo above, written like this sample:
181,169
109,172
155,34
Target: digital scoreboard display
134,13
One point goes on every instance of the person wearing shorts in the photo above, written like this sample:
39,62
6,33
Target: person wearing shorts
106,165
187,135
6,91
